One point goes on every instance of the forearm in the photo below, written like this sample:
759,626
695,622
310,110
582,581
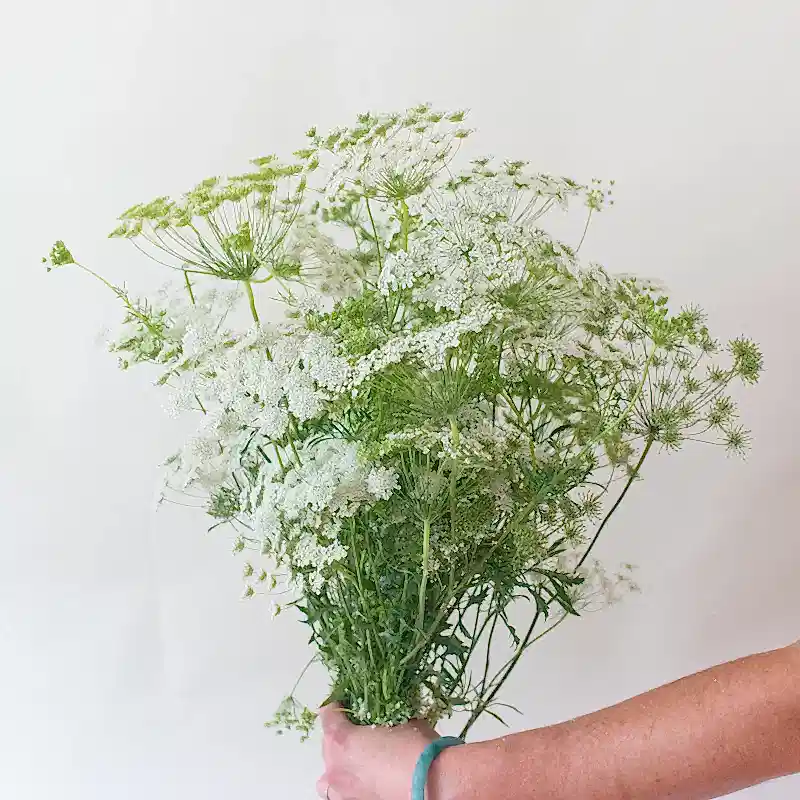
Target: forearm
720,730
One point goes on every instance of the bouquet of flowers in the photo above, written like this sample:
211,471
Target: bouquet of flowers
443,419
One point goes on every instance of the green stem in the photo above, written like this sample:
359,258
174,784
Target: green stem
454,591
295,434
252,301
505,670
122,295
531,642
404,219
302,674
189,286
477,635
484,704
488,653
374,232
585,230
278,455
91,272
423,585
444,612
639,389
621,497
455,436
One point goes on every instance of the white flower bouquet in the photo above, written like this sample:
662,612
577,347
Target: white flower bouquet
433,428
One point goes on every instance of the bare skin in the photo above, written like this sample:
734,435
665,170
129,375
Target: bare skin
704,736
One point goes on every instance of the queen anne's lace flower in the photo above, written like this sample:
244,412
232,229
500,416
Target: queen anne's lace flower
381,482
302,398
324,365
433,429
393,156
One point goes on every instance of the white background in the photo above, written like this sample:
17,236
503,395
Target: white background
129,666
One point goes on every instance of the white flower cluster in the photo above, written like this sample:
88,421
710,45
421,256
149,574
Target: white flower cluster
260,376
482,441
392,156
336,271
600,588
381,482
467,244
171,329
249,391
410,163
431,345
298,513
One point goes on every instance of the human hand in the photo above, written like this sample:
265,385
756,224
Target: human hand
366,763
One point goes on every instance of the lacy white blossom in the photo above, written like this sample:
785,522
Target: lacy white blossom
392,155
381,482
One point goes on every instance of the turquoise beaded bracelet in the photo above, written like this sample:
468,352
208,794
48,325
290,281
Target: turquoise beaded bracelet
424,762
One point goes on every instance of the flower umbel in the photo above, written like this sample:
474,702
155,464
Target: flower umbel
59,256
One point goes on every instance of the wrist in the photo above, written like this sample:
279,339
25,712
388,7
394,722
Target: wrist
526,765
449,778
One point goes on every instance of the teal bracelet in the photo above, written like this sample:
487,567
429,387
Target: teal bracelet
424,764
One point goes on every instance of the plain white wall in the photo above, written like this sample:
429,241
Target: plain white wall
129,666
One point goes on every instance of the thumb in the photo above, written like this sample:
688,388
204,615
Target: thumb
333,719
